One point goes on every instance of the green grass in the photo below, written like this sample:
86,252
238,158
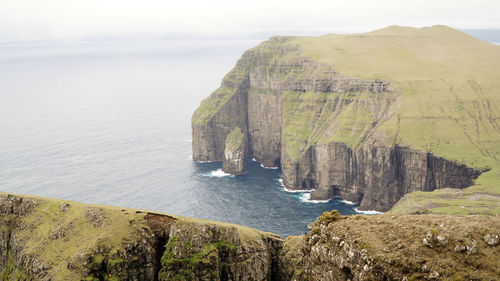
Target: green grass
212,104
448,81
13,273
310,118
234,139
448,104
247,234
81,235
101,243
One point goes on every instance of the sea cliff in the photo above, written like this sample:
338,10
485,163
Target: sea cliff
367,117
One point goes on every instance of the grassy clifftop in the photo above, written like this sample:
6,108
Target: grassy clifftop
450,91
449,103
386,247
51,239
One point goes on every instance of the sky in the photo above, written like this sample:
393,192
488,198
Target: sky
25,20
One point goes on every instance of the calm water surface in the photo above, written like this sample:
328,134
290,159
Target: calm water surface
109,123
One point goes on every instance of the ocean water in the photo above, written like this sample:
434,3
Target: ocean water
109,123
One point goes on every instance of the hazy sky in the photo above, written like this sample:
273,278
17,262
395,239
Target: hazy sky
84,19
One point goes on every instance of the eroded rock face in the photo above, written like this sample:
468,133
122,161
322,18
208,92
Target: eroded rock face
210,252
297,113
377,176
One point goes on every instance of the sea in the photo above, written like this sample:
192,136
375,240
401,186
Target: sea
108,122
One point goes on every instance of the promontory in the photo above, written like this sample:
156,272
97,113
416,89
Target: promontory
400,115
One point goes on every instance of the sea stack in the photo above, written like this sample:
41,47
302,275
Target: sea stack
235,153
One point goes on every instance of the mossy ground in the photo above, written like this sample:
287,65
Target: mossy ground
57,235
206,258
13,273
247,234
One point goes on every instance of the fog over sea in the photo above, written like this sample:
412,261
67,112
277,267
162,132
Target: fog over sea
108,122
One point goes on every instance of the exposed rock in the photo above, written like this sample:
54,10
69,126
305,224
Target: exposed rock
460,248
65,207
377,177
491,239
433,239
434,275
211,252
61,231
235,153
472,247
95,216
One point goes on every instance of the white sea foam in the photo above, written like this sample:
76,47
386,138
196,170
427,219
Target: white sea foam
297,190
347,202
368,212
306,197
292,190
204,161
272,168
254,160
218,174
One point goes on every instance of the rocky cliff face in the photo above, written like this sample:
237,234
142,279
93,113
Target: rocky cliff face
48,239
379,176
322,127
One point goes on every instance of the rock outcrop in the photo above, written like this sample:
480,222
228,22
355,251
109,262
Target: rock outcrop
388,247
49,239
341,135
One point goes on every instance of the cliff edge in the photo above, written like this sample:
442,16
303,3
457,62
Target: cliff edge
50,239
367,117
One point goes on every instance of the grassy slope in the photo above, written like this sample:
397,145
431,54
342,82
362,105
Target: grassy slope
120,226
212,105
449,103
